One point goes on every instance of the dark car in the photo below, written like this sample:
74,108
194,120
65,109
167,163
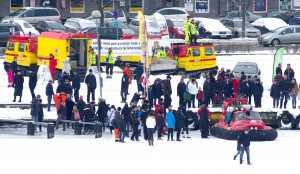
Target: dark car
49,26
105,32
287,16
249,68
127,33
6,30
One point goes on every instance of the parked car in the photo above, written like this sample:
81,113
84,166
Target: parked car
171,13
78,24
6,30
288,15
282,35
235,25
105,32
265,25
295,21
238,14
26,27
35,14
152,28
49,26
176,28
128,33
249,68
214,27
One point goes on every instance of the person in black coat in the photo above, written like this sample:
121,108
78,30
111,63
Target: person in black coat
145,111
227,88
65,87
76,85
18,85
289,72
207,91
160,124
204,122
139,70
167,92
181,88
49,94
244,140
69,105
275,93
284,87
35,109
61,112
102,111
121,126
250,93
88,116
41,114
136,97
91,83
80,106
124,87
150,96
279,69
179,122
157,91
258,90
32,82
244,89
126,113
14,65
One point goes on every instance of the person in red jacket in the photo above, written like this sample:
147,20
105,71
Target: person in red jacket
52,66
235,85
128,72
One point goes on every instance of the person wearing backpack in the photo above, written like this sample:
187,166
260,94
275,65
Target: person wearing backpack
193,90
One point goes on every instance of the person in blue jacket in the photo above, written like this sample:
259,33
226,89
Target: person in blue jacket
170,119
139,70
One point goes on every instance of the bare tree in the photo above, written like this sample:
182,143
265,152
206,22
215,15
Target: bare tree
244,4
101,4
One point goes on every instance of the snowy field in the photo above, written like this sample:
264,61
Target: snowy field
67,153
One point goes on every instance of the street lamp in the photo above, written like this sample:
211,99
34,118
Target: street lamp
96,15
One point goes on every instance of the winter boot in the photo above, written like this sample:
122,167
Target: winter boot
234,157
152,142
14,99
188,136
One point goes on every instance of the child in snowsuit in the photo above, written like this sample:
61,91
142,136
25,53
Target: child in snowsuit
200,97
10,76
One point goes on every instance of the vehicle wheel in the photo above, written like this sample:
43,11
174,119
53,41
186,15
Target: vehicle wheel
236,35
275,42
297,122
207,35
285,120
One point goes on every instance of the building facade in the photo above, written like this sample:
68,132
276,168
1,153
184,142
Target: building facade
197,8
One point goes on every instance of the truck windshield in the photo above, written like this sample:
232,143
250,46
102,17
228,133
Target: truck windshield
243,116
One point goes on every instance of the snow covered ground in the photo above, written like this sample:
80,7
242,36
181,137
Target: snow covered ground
67,153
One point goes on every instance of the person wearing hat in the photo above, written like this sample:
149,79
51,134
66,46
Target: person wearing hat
243,76
35,109
52,66
258,90
227,88
124,86
167,92
275,93
193,32
110,61
49,94
161,54
187,23
66,66
90,81
244,140
76,85
32,82
18,85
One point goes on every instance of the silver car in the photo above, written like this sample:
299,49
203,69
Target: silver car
282,35
249,68
235,25
238,14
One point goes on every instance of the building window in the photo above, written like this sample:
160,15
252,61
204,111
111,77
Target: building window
77,6
260,6
285,5
108,5
296,4
201,6
135,6
231,5
16,5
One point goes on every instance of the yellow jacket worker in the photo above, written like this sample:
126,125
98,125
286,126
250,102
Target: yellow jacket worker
93,58
161,54
193,32
110,61
186,30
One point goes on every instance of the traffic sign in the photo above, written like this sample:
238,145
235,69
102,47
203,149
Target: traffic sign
115,23
116,15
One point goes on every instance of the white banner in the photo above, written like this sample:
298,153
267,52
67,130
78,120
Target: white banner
130,47
297,3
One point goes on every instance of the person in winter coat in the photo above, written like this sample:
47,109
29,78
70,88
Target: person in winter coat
170,119
35,109
80,106
124,87
285,87
202,80
238,148
258,90
61,112
69,105
145,111
136,97
199,97
14,66
66,66
150,96
139,70
41,114
126,113
32,82
52,66
250,93
204,122
49,94
157,91
18,85
90,81
235,85
179,122
243,76
160,122
244,140
102,111
181,87
244,88
227,88
76,85
279,69
111,116
76,114
88,116
65,87
275,93
193,90
128,72
62,77
10,76
294,92
121,125
167,92
135,124
207,90
289,72
150,123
